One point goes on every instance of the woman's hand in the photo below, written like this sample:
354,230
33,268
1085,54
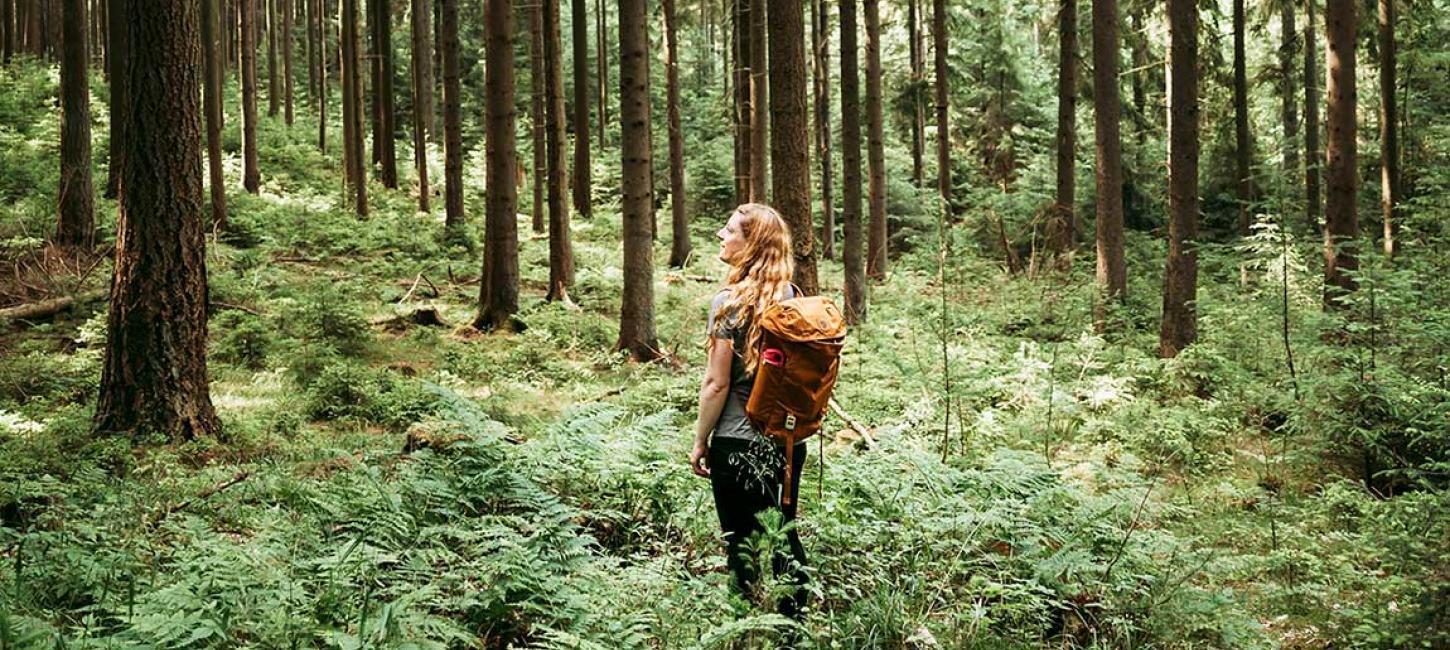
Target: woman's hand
698,460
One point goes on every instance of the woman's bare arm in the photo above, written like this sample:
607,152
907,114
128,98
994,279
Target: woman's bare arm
712,400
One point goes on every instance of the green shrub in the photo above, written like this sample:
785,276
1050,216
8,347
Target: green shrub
242,339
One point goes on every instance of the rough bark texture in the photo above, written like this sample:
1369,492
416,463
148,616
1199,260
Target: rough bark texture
310,40
602,59
1243,173
498,298
422,95
580,31
274,93
1180,281
1062,230
759,104
251,178
287,12
853,256
1341,222
384,141
1389,131
77,223
352,102
918,104
875,147
820,37
1288,91
212,105
319,17
452,120
636,319
1112,271
943,132
790,142
561,251
7,30
154,377
1313,156
742,114
116,12
679,221
536,109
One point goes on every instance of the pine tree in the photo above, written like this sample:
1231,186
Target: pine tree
1341,222
498,297
1062,230
875,147
852,256
680,222
77,226
1243,154
1180,280
116,13
1389,131
561,251
422,31
636,321
821,79
251,178
582,192
452,120
943,132
212,105
790,143
1313,155
1112,271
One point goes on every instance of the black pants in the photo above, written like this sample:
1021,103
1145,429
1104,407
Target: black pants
746,478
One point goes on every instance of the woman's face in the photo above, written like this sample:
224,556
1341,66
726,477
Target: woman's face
732,239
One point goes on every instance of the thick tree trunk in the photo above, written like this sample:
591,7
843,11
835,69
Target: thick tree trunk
790,143
1341,222
212,105
422,57
384,141
918,106
1389,132
1313,156
636,319
679,220
561,251
852,256
116,12
287,12
1288,91
943,132
539,126
875,147
77,224
274,92
352,91
759,104
1062,230
820,36
154,377
251,177
582,191
1180,280
452,120
1243,154
498,297
1112,272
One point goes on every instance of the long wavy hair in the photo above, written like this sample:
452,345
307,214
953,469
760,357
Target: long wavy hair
759,274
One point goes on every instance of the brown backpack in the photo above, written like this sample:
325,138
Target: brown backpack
800,354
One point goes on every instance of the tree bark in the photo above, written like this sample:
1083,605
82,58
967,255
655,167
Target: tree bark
636,321
1389,131
384,142
918,108
852,257
1062,230
274,94
680,222
1112,272
311,50
1341,223
319,17
580,29
77,223
561,251
743,116
759,104
212,105
1313,156
452,120
1289,109
287,12
1243,171
498,298
353,148
116,13
875,147
373,58
943,132
601,53
251,178
790,143
7,30
820,36
536,106
1180,280
154,376
421,17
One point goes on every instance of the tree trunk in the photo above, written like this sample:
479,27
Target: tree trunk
251,178
287,61
918,110
536,106
384,142
212,105
759,104
1289,113
602,60
820,36
1341,223
1389,133
943,132
498,298
452,121
582,191
1313,156
1242,154
374,62
320,13
352,91
310,50
790,143
7,30
851,257
680,222
743,115
1112,272
1062,230
154,377
561,251
1180,280
875,147
421,17
77,224
119,100
274,93
636,319
437,66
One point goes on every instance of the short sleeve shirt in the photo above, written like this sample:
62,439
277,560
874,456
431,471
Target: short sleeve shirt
733,423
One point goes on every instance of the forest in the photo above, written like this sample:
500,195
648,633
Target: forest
382,324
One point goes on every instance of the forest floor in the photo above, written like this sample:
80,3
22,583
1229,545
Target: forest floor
385,483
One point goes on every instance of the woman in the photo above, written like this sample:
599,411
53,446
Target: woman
743,466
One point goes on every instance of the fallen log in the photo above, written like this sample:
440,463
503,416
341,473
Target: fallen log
47,308
850,421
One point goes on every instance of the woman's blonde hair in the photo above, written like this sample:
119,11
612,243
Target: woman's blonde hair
759,275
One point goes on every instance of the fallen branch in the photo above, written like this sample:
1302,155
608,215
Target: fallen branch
204,495
427,316
47,308
855,426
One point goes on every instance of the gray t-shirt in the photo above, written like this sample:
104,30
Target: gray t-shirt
732,422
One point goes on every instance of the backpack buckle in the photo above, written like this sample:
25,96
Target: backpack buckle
790,422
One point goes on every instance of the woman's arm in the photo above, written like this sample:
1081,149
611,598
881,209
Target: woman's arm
713,390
